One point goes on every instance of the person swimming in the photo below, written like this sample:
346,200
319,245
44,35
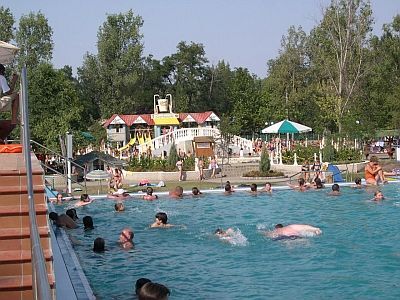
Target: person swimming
335,190
126,238
161,221
293,231
119,207
196,191
378,196
149,194
85,200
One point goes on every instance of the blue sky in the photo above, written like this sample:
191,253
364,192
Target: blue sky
243,33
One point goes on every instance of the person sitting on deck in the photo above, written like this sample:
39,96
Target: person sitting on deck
9,98
373,172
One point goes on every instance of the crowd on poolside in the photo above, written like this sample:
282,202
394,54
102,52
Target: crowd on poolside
374,175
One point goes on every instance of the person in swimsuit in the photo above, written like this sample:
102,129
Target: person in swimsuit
293,230
179,165
305,170
149,194
373,172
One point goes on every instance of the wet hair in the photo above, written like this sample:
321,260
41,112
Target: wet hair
119,206
84,197
87,222
153,291
279,226
162,216
228,187
253,187
335,187
131,234
99,245
195,191
318,183
72,214
269,183
377,192
218,231
149,191
301,181
53,216
139,283
357,180
179,191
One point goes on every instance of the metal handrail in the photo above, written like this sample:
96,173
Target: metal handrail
66,176
40,281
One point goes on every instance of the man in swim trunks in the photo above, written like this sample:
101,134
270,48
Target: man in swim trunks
373,172
293,230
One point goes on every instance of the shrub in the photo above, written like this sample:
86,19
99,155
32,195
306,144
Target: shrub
173,156
269,173
265,164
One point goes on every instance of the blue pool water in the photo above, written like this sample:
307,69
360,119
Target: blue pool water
356,257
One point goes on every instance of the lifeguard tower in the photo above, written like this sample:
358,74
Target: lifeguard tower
163,117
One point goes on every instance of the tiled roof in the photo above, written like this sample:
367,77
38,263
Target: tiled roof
200,118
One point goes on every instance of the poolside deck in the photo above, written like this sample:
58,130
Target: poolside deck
15,246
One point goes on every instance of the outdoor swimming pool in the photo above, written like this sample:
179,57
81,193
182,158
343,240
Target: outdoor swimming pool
356,257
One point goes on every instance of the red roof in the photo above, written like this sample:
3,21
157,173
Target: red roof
200,118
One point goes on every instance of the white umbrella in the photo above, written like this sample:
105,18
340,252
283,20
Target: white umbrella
286,126
7,52
98,175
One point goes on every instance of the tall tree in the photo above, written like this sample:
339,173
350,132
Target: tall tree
338,52
54,105
120,62
245,91
34,38
6,25
187,72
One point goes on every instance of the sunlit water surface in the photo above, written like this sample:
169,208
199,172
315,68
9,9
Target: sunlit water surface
356,257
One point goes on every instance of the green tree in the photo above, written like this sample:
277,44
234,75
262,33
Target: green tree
120,62
186,77
54,105
337,52
265,164
6,25
34,38
173,156
245,91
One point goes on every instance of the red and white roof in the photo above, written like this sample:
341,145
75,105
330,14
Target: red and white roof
129,120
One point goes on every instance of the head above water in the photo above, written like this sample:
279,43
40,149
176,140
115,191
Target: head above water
87,222
72,214
195,191
301,181
162,216
335,187
318,183
99,245
139,283
253,187
278,226
85,198
357,181
119,206
53,216
153,291
228,187
149,191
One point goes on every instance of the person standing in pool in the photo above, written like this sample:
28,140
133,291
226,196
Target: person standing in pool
161,221
335,190
378,196
126,238
85,200
149,194
267,188
176,193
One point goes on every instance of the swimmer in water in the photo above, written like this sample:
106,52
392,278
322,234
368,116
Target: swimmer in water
301,187
196,191
149,194
378,196
224,233
335,190
267,188
293,231
161,221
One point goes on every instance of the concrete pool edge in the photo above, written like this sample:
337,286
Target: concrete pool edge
71,281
